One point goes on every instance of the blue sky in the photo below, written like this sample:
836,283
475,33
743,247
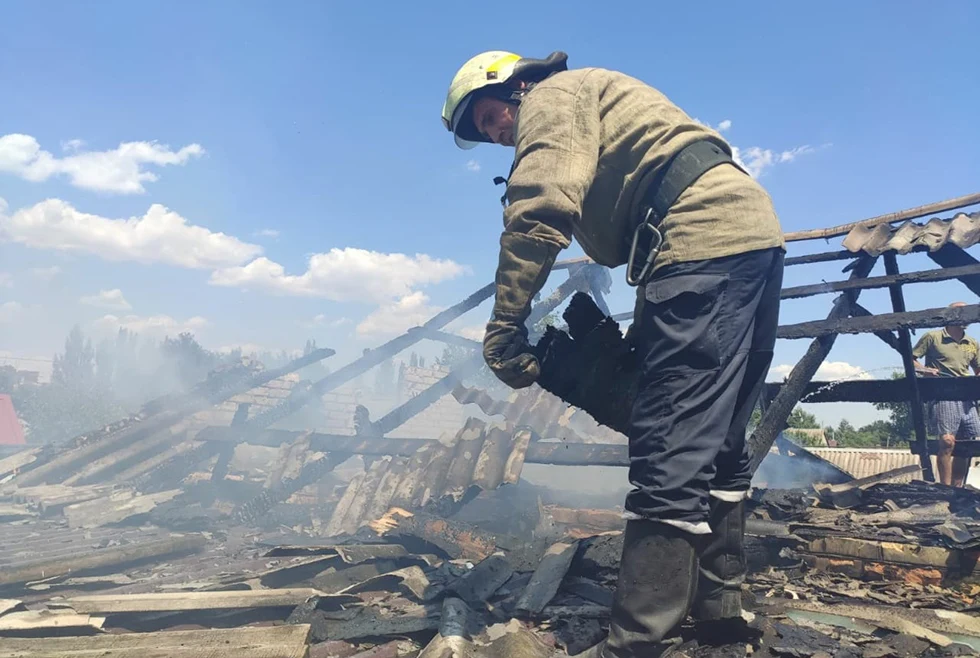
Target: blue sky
279,131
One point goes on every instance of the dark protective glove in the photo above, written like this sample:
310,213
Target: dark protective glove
524,265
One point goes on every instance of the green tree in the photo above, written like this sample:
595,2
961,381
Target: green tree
190,362
800,419
76,367
899,418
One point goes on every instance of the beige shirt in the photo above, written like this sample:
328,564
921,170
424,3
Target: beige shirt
948,355
587,143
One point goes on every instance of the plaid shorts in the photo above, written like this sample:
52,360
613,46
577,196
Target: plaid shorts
956,417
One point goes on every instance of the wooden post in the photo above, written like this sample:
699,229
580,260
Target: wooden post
905,343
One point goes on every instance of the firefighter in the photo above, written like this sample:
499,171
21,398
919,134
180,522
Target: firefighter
606,159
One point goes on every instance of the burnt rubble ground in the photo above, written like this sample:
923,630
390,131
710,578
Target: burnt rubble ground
157,537
417,584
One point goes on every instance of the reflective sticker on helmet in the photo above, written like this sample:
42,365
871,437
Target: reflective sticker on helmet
500,63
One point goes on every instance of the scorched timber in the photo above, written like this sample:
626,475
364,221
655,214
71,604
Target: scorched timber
248,642
880,281
886,390
110,557
927,319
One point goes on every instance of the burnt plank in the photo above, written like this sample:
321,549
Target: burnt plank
547,578
176,601
908,362
824,257
246,642
929,318
885,390
111,557
874,282
371,359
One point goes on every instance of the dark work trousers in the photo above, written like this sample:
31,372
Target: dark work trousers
707,329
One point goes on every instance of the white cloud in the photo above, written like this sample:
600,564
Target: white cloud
398,317
110,299
6,280
347,274
156,326
44,273
73,145
828,371
756,160
322,320
266,233
121,170
473,165
10,311
159,236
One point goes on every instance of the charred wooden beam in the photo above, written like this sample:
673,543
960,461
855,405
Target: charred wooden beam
101,559
446,337
825,257
951,256
885,390
881,281
890,218
371,359
397,417
774,419
911,381
929,318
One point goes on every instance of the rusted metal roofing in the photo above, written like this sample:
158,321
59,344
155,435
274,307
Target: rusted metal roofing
480,456
963,230
865,462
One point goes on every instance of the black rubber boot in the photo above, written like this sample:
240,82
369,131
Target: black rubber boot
657,582
722,569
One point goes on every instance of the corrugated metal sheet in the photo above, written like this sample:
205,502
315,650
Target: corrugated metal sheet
548,415
963,230
480,456
865,462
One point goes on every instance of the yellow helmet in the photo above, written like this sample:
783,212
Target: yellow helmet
494,67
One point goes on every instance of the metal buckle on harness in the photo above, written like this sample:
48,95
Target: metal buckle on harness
656,239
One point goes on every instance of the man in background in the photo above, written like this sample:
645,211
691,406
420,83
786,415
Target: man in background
949,352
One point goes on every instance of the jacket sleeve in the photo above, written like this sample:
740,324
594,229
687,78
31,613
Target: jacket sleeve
556,153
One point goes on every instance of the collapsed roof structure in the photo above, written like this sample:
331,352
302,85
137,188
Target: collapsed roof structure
362,544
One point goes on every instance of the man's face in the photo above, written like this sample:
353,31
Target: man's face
495,119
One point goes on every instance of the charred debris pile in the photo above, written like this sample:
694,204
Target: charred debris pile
436,548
